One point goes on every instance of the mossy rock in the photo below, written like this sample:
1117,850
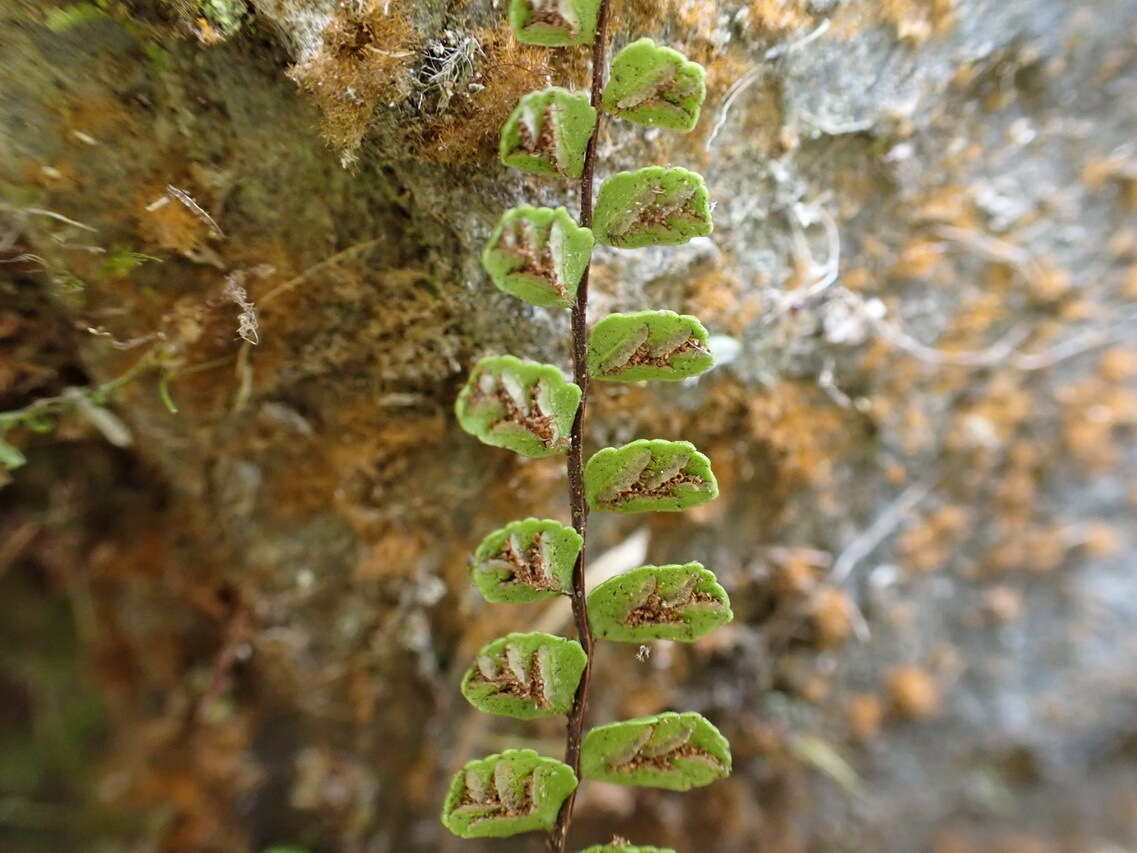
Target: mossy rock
616,847
651,345
655,86
655,206
554,23
538,254
523,406
506,794
678,602
649,475
673,751
547,133
526,561
525,676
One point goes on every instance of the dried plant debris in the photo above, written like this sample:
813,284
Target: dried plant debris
526,561
673,751
525,676
649,475
366,56
659,603
547,133
505,794
523,406
648,345
655,206
656,86
622,847
538,254
554,23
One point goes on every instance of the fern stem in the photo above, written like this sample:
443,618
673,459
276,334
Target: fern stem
575,728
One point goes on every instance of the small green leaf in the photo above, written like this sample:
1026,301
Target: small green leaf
648,345
659,603
673,751
121,262
822,755
655,85
548,132
39,421
554,23
525,676
655,206
526,561
522,406
538,254
649,475
505,794
61,20
617,847
10,456
165,395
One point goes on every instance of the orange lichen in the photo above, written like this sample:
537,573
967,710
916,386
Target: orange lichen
865,715
1003,603
207,33
1097,172
832,616
913,692
797,672
1117,364
1102,540
1050,282
950,204
719,300
392,553
1093,410
916,21
795,572
929,544
365,58
775,17
1044,548
802,427
918,259
165,223
998,409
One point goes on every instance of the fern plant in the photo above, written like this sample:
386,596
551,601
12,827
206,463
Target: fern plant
541,255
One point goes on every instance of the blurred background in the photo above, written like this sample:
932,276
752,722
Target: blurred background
240,288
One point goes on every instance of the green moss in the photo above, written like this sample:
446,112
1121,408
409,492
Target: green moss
625,848
673,751
655,86
520,405
554,23
658,345
64,18
526,561
547,133
10,456
225,14
538,254
655,206
525,676
679,602
649,475
506,794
